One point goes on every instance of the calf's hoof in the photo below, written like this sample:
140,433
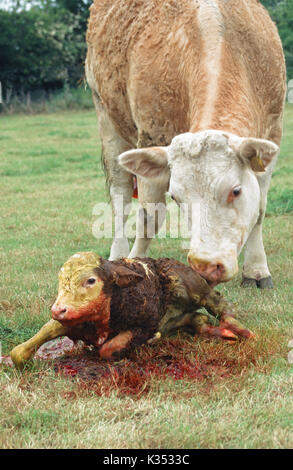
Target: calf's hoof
265,283
20,355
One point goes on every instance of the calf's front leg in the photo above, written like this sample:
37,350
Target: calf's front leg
116,344
25,351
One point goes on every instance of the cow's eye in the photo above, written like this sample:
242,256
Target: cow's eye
237,191
91,281
234,193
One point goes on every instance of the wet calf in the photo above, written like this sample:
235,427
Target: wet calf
117,305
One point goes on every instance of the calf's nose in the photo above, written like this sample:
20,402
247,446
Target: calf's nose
59,311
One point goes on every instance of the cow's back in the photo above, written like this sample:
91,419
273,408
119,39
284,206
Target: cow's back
253,71
163,67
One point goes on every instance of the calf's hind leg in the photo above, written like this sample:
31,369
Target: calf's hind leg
196,323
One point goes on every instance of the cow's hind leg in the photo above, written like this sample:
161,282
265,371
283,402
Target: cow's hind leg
119,180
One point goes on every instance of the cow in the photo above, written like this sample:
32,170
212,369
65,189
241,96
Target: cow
190,96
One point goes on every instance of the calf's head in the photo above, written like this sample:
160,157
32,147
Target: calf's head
212,174
85,286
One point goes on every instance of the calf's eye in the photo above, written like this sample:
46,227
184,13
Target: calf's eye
91,281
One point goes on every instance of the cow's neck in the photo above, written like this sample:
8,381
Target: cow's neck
226,104
221,98
227,118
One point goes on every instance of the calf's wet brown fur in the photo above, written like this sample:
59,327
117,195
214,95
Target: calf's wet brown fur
118,305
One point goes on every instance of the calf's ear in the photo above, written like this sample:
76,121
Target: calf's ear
120,275
148,162
125,277
257,152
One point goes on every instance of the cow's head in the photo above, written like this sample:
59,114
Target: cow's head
85,287
214,173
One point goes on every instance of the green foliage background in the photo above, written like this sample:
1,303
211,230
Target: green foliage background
281,12
42,42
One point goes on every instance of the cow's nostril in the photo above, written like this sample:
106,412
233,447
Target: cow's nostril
220,267
212,272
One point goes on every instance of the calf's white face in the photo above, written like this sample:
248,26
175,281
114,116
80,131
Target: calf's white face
213,174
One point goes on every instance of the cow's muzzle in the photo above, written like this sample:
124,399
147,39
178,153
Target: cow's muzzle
213,271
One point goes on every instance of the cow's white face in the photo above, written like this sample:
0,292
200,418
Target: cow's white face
213,174
223,196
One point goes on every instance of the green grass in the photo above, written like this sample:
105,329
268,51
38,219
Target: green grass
51,178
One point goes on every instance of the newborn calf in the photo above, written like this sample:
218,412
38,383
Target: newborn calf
117,305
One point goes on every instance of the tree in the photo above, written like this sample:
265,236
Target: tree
75,6
281,12
40,48
42,42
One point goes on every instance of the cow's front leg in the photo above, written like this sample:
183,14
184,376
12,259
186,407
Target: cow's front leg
255,269
150,217
118,179
121,195
25,351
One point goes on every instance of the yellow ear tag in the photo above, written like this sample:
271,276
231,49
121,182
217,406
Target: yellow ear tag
257,163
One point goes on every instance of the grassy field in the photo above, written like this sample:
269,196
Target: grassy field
51,178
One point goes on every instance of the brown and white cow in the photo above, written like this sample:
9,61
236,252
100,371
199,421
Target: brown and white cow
190,96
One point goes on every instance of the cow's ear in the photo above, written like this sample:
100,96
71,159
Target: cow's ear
257,152
120,275
148,162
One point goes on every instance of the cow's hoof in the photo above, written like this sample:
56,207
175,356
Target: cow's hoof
248,282
265,283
